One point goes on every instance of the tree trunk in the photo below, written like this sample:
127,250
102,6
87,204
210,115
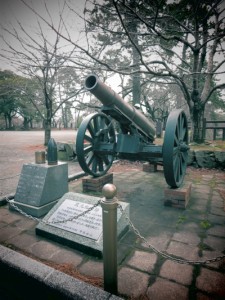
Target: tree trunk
25,123
136,89
10,122
6,122
47,131
136,79
197,116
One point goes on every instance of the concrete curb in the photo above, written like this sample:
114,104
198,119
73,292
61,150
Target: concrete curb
76,176
25,278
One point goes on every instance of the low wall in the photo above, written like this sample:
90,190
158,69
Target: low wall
206,159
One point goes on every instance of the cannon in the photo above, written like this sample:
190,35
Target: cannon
98,143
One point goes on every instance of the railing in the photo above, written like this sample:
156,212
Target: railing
214,125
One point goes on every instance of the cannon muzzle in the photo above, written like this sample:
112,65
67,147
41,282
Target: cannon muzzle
111,99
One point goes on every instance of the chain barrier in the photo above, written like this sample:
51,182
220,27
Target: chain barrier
135,230
52,222
10,177
178,260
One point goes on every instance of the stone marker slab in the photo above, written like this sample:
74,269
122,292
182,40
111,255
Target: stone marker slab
84,233
40,186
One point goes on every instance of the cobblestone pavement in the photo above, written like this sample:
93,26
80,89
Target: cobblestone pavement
195,233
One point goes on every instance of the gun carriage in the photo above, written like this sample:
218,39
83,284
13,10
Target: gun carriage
98,143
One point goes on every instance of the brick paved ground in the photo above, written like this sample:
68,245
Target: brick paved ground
196,233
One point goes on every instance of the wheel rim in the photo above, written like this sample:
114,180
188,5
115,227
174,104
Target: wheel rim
175,148
94,129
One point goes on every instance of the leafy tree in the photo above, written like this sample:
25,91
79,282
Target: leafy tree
177,43
197,27
9,96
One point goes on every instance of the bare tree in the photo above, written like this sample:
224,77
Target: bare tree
38,56
177,43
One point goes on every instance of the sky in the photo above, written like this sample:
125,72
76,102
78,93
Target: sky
15,9
12,11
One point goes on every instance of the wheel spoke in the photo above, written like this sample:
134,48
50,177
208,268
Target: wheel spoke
178,128
178,170
175,166
88,149
106,160
175,151
183,133
88,138
94,165
177,174
89,159
102,123
184,156
91,130
176,140
100,164
96,124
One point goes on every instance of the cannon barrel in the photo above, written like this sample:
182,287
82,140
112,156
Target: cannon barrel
111,99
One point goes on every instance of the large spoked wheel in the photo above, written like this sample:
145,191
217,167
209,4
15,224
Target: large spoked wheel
175,148
94,130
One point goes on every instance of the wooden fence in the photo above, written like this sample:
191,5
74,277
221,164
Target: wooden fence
215,126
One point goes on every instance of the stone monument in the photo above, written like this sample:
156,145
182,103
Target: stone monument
41,184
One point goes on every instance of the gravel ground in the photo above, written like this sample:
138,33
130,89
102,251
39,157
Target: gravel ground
18,148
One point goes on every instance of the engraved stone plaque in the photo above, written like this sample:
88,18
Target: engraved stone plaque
84,233
89,225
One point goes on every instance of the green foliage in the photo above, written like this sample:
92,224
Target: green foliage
16,93
181,220
205,224
173,42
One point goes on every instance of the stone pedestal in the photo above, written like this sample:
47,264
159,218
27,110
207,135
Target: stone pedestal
84,233
40,186
95,184
152,167
179,197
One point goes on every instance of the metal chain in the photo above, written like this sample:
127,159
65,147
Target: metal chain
136,231
178,260
53,222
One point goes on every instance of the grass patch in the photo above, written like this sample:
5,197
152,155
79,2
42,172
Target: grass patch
181,220
205,224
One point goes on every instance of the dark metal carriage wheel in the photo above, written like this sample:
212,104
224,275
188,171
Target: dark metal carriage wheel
175,148
94,129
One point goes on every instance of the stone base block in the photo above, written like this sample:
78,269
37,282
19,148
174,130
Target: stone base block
179,197
150,167
40,186
33,210
92,184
